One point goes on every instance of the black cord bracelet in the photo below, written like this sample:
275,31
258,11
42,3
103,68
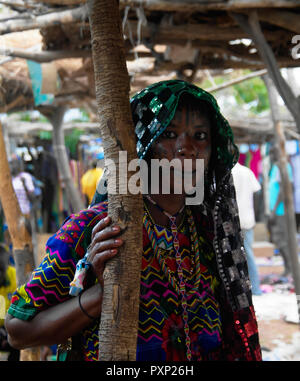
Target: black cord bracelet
83,310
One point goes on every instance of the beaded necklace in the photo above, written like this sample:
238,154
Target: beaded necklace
178,286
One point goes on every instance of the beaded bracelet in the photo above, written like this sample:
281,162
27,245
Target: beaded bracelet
82,309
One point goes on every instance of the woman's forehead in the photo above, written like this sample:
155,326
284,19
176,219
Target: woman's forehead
187,114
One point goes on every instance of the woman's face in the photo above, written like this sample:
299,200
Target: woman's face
187,137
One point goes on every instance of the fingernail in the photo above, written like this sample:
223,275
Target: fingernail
115,228
106,219
118,241
114,251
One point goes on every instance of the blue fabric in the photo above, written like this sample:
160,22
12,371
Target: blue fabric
274,188
36,76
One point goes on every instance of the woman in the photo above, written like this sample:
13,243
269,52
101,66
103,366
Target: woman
195,297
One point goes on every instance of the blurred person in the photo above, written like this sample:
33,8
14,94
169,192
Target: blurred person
277,221
89,181
50,179
246,185
23,186
36,207
8,285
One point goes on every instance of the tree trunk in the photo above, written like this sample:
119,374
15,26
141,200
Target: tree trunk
55,117
19,230
119,317
288,198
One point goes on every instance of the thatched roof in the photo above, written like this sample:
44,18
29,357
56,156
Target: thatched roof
163,39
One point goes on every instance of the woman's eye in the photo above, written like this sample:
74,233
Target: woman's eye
168,134
201,135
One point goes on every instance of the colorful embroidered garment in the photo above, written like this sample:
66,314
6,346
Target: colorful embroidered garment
160,335
161,330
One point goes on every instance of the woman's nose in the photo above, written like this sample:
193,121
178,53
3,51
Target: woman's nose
185,148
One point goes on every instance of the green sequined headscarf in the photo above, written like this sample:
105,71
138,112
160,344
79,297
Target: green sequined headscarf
154,107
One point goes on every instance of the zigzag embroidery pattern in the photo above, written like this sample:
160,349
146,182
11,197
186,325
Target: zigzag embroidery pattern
203,316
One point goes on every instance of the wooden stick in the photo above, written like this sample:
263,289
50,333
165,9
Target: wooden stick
287,189
237,80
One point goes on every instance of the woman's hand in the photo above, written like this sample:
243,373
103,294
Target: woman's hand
104,245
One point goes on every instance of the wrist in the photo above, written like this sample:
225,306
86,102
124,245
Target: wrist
90,301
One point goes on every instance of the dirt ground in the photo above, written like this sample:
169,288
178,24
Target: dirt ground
271,331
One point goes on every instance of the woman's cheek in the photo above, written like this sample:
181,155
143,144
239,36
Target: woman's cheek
159,151
204,153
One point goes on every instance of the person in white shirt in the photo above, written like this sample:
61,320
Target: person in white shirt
23,186
246,185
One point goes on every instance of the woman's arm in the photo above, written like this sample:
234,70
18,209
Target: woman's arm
56,324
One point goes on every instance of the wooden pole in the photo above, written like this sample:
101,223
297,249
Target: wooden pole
120,306
19,230
286,188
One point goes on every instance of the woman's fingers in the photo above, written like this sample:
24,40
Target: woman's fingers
106,233
108,244
101,225
104,245
99,260
102,231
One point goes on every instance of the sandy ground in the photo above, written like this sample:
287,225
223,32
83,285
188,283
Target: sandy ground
276,312
276,309
279,339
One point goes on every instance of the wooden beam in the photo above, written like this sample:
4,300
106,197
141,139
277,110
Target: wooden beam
191,5
201,32
284,19
157,33
50,19
20,4
36,4
281,18
19,103
198,5
52,55
210,62
44,56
